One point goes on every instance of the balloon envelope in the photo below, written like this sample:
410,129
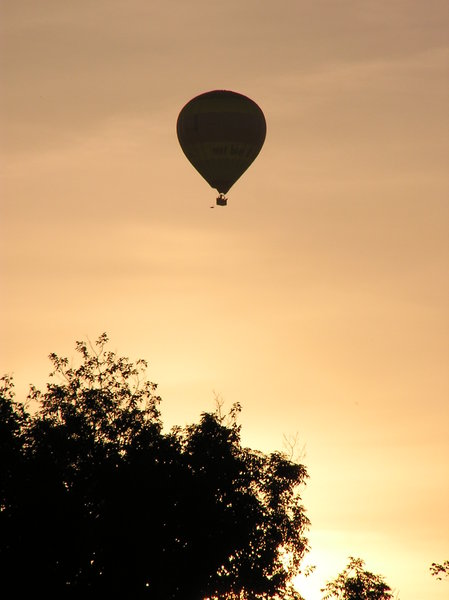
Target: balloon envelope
221,133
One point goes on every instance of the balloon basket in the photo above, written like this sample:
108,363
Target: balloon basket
222,200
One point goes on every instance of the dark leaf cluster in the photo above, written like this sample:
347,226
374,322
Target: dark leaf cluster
440,570
356,583
96,498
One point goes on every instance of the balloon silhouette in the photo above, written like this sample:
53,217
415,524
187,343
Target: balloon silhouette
221,133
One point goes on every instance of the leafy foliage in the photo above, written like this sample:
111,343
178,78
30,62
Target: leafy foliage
440,570
95,497
355,583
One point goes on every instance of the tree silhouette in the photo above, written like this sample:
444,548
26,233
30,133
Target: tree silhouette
440,570
96,497
355,583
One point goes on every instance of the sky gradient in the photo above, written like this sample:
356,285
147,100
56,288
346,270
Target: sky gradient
318,298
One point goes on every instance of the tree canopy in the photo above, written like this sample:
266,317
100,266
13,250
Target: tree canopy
96,497
440,570
355,583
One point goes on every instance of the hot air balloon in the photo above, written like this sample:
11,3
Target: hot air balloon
221,133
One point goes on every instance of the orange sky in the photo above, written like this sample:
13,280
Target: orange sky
318,298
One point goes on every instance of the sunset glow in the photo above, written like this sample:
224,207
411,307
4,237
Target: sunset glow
318,298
